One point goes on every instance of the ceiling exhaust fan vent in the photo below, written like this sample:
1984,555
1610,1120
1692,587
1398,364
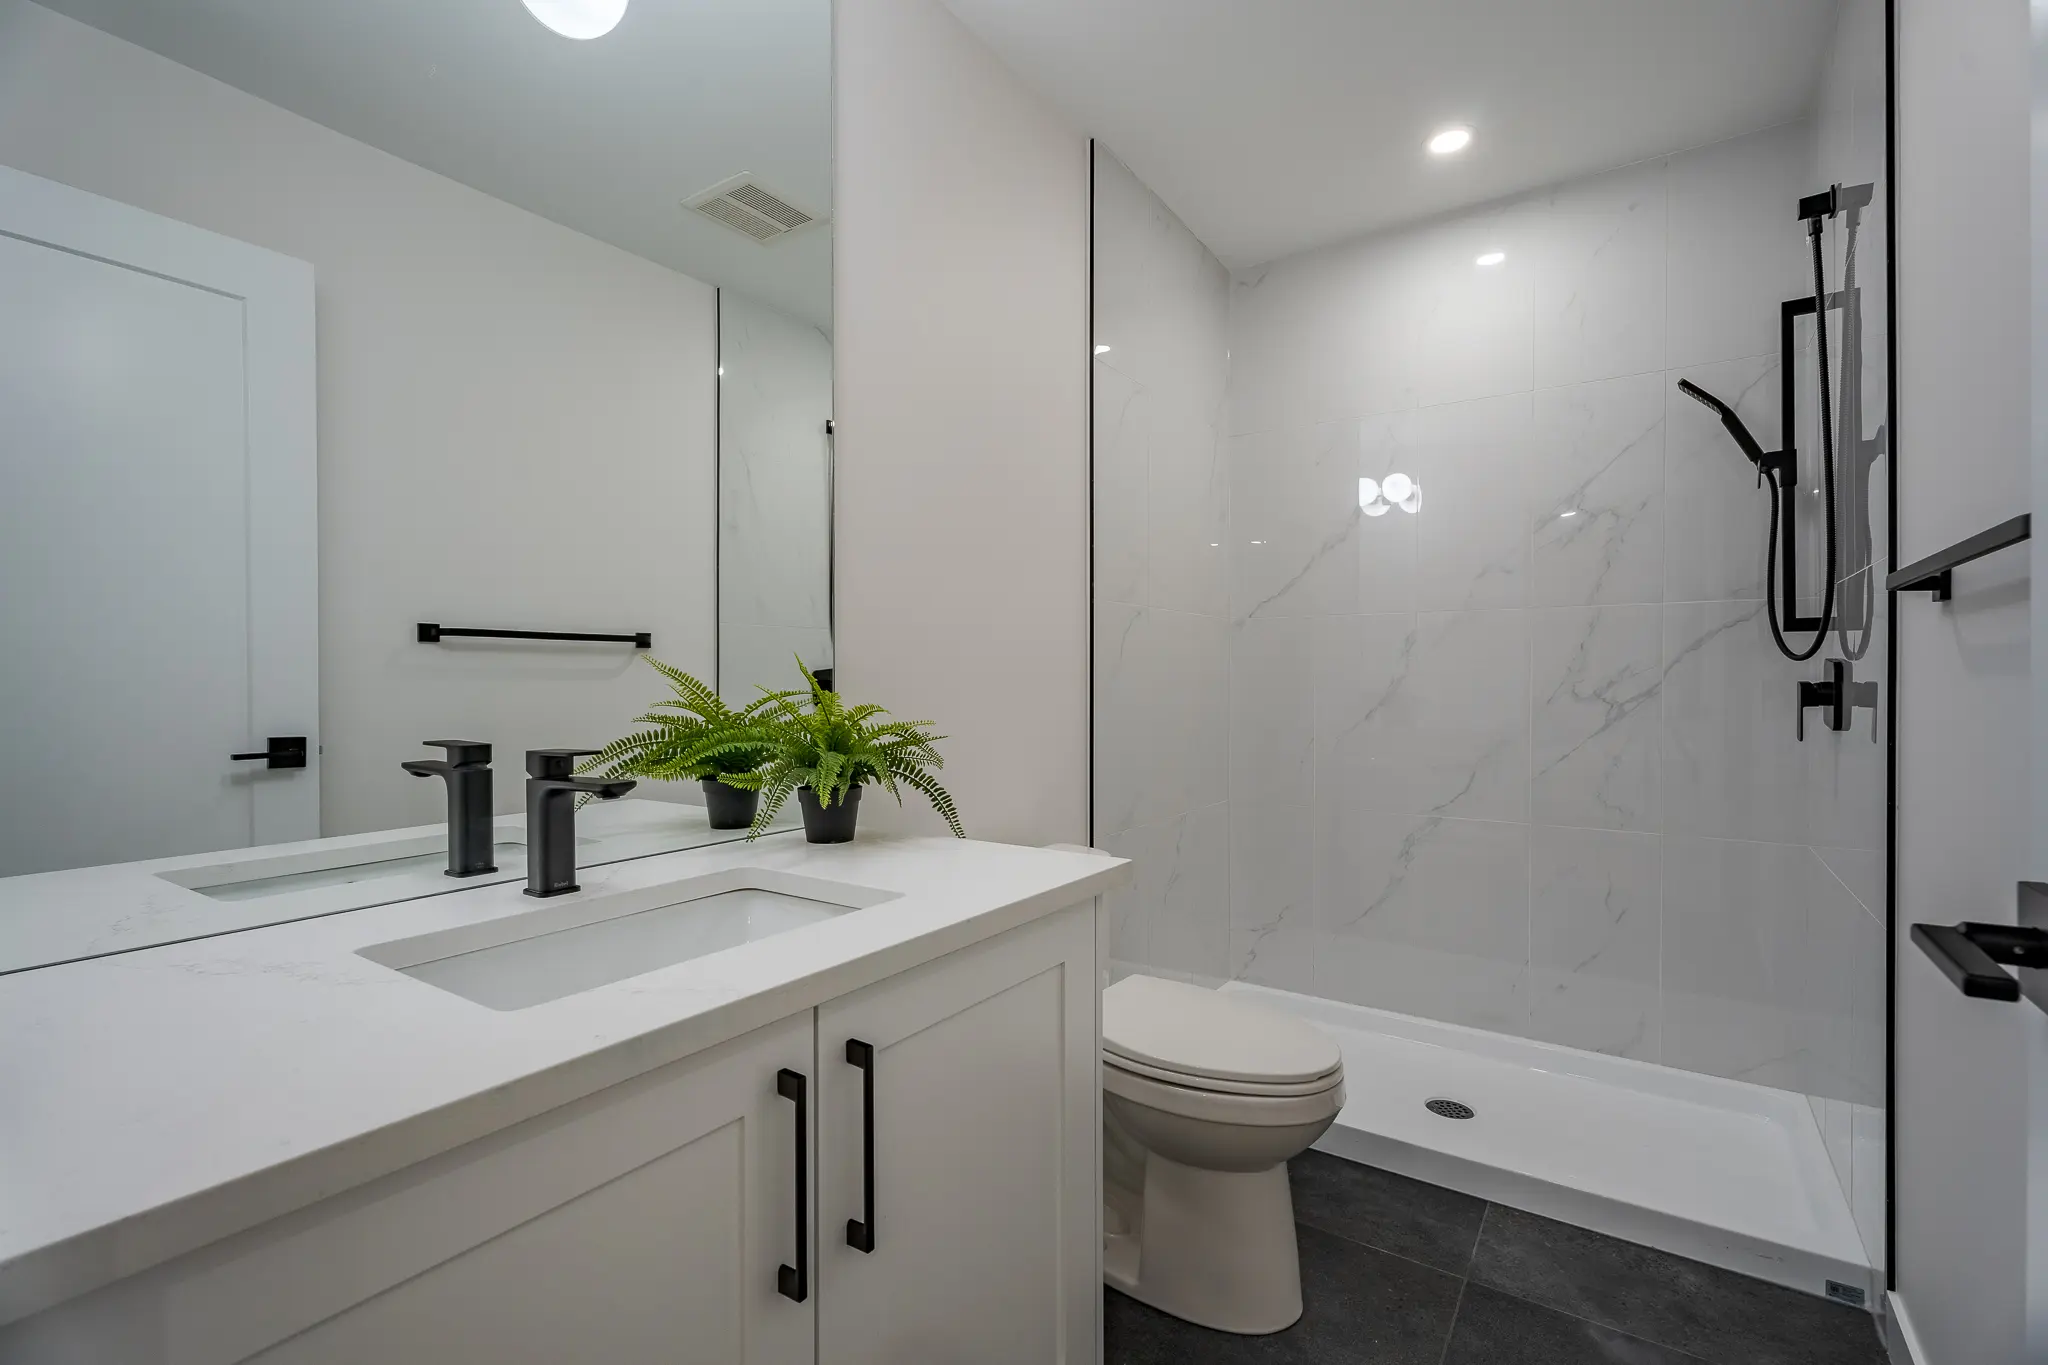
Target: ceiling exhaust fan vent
745,205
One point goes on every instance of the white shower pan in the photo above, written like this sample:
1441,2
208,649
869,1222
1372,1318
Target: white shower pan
1721,1171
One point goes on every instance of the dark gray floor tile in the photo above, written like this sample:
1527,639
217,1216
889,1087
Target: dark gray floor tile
1496,1329
1425,1223
1362,1304
1717,1315
1359,1306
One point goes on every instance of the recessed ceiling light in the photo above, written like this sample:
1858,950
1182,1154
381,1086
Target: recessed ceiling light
1490,258
1443,143
578,18
1102,350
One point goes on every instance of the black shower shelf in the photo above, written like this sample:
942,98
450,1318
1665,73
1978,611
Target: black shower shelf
431,634
1932,573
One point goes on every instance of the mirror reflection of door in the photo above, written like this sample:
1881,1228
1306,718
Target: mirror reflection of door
156,535
516,243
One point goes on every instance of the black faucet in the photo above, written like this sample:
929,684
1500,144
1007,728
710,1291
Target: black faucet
551,791
467,770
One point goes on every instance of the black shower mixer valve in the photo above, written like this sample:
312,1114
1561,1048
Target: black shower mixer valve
1840,696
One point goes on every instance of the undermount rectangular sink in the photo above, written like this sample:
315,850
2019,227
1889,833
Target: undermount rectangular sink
561,950
247,879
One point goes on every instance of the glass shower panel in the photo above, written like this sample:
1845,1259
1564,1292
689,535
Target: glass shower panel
1433,666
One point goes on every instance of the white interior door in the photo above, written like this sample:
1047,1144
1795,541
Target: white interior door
157,534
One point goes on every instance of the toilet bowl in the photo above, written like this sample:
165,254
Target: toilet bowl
1205,1099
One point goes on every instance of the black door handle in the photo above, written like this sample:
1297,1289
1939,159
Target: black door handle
794,1281
860,1232
284,751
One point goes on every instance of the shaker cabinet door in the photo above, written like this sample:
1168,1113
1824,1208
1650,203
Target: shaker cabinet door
646,1224
673,1255
959,1157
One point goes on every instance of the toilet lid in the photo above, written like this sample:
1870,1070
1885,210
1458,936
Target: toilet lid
1195,1032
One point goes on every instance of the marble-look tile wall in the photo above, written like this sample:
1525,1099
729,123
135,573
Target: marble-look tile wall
1162,591
774,496
1524,759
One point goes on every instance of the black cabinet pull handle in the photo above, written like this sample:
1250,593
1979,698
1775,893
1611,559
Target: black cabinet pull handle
794,1281
860,1232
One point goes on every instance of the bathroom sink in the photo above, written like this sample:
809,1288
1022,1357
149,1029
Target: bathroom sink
248,879
582,943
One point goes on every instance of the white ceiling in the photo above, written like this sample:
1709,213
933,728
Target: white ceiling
607,136
1272,126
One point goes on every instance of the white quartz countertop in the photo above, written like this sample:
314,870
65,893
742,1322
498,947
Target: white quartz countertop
153,1102
54,917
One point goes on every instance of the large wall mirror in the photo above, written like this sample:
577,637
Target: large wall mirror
325,325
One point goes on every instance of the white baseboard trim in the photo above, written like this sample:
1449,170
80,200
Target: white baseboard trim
1899,1341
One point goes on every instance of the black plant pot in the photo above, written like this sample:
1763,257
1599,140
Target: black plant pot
829,824
729,807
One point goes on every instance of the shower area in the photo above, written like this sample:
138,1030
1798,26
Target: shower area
1436,693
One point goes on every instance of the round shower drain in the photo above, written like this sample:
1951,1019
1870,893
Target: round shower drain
1449,1109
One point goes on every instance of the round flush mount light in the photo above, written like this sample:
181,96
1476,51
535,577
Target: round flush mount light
1445,141
1490,258
580,19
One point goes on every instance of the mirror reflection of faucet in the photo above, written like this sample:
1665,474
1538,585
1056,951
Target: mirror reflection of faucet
467,771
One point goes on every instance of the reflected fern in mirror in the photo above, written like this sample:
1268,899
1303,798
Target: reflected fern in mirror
693,736
832,750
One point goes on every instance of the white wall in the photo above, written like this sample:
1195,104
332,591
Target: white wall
961,326
515,420
774,497
1162,602
1962,1081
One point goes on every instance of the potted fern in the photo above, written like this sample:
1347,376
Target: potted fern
827,751
696,736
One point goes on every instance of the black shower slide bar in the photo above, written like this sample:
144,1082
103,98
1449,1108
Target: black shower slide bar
1932,574
431,634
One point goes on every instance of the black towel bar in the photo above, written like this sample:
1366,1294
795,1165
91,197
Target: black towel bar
1975,956
430,634
1932,573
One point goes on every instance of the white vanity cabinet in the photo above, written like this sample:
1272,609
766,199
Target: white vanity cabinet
659,1221
966,1155
647,1223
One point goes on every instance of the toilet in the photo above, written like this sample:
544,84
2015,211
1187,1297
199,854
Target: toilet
1206,1096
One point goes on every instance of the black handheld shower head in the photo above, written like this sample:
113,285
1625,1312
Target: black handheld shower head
1729,420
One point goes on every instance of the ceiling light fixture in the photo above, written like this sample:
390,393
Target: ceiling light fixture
580,19
1445,142
1490,258
1102,350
